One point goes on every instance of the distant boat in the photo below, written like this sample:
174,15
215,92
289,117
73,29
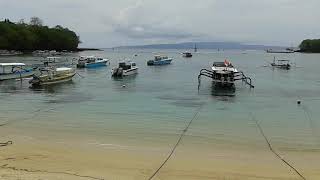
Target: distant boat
124,69
281,64
91,62
159,60
187,54
14,71
279,51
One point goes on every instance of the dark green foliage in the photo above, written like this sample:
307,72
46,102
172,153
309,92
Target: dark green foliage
24,37
310,45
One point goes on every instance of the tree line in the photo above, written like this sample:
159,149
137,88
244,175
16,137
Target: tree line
310,46
34,35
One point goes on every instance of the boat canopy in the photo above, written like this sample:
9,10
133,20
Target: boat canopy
12,64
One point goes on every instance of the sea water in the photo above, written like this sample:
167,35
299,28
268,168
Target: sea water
152,108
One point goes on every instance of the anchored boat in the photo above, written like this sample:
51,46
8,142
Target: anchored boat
224,74
52,74
186,54
281,63
124,69
91,62
14,71
159,60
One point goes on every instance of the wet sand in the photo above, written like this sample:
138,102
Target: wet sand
31,157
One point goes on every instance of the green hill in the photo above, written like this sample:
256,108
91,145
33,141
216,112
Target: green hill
34,36
310,46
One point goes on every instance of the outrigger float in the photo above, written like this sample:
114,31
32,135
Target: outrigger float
223,74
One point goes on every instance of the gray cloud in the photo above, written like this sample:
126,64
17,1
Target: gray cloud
125,22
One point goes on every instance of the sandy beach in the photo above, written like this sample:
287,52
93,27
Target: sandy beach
31,157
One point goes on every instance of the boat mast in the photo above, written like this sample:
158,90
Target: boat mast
195,47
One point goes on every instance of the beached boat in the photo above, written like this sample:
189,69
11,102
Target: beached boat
125,69
14,71
186,54
91,62
281,64
224,74
159,60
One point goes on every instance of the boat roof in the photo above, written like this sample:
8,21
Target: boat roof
87,56
283,60
53,57
63,69
12,64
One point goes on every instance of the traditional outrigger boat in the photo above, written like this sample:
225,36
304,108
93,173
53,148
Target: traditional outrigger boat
51,74
91,62
224,74
14,71
124,69
159,60
281,63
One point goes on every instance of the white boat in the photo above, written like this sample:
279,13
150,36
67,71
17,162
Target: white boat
14,71
91,62
125,69
223,74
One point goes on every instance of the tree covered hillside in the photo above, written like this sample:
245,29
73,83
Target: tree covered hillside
34,36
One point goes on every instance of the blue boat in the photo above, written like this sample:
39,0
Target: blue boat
91,62
159,60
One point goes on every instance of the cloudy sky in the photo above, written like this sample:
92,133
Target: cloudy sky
108,23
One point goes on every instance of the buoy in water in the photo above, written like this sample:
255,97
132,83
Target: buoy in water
123,86
298,101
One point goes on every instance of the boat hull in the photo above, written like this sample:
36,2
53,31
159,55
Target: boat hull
286,66
92,65
117,72
46,80
16,75
159,63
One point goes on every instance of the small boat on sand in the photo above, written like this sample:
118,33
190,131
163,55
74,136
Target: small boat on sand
91,62
159,60
125,69
14,71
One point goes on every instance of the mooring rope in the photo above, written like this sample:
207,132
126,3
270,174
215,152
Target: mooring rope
6,143
176,145
271,148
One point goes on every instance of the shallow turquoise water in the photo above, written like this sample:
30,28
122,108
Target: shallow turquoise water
156,105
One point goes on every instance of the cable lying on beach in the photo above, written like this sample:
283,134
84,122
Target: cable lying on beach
271,148
176,145
6,143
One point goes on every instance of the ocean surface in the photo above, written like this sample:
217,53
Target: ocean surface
154,107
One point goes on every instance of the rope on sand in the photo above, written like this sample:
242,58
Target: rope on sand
272,150
176,145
